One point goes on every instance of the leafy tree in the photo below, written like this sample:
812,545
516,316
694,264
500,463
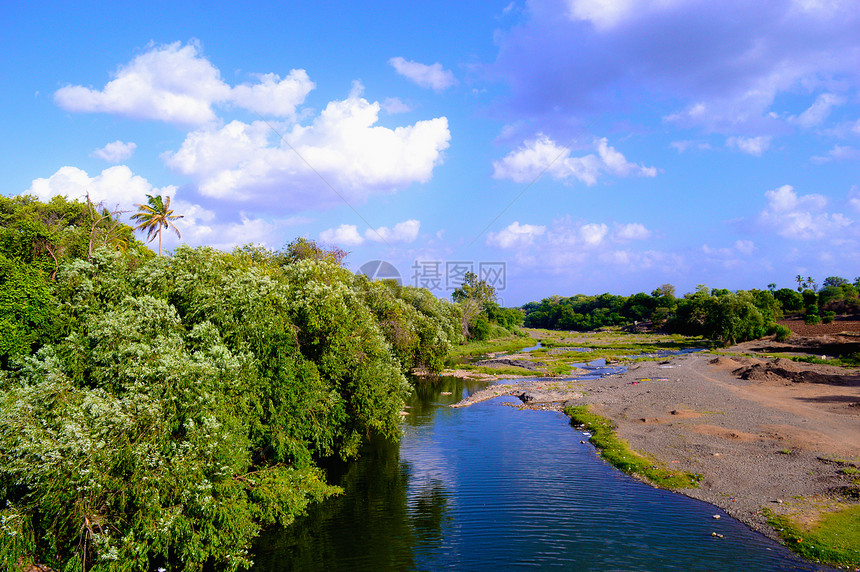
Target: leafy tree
156,216
834,281
474,289
790,300
471,297
305,249
664,291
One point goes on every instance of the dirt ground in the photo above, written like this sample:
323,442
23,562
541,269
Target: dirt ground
762,432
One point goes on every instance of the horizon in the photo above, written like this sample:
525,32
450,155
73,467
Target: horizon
556,147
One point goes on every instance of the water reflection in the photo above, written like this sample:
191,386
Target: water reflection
490,487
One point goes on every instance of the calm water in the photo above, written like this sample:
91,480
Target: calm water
490,487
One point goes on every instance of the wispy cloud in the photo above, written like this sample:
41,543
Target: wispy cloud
432,76
115,152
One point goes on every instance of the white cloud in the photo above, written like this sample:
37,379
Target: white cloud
801,218
115,152
344,235
403,232
838,153
542,154
601,14
175,84
114,186
593,234
430,76
631,231
515,235
818,111
273,95
750,145
199,226
243,161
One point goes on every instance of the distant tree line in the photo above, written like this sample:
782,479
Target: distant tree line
717,314
157,411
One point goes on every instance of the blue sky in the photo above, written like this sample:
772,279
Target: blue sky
589,146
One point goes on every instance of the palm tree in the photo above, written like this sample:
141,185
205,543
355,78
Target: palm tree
155,217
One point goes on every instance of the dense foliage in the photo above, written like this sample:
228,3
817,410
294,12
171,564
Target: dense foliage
158,411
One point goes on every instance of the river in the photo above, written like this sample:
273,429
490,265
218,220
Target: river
492,487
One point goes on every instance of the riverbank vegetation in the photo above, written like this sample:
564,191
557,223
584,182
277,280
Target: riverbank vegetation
619,454
834,539
160,410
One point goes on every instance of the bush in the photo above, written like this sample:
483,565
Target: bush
480,330
812,319
782,333
828,317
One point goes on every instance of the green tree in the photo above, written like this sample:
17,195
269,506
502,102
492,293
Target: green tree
155,216
474,289
471,297
834,281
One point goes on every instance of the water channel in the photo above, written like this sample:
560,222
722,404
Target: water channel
492,487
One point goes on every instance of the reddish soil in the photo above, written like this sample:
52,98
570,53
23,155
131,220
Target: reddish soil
799,328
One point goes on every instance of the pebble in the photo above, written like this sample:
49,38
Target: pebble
716,517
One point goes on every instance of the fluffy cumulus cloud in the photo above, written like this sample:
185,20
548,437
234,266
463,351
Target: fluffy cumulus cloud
344,235
516,235
750,145
722,63
115,152
342,148
176,84
631,231
800,217
115,186
348,235
543,155
433,76
566,234
403,232
200,226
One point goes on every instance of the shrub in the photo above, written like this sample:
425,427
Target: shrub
812,319
828,317
480,330
782,333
